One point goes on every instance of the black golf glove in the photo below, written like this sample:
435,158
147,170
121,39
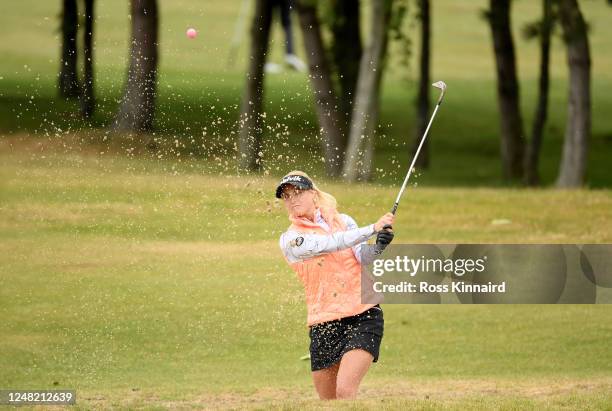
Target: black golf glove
384,238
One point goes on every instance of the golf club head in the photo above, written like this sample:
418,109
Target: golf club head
442,86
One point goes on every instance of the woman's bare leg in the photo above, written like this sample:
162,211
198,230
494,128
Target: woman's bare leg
353,367
325,381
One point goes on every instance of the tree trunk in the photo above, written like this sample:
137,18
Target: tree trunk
424,84
326,103
68,78
251,122
365,172
346,52
87,94
573,164
137,108
533,150
512,139
365,108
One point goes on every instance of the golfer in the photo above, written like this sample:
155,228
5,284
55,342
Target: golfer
325,250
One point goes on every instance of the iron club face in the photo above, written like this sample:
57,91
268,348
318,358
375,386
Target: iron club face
442,86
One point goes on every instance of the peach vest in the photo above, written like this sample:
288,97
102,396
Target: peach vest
332,281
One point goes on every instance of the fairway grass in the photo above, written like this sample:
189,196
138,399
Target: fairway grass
149,283
151,278
516,394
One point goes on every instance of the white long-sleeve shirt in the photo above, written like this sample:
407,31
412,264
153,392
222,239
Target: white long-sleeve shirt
298,246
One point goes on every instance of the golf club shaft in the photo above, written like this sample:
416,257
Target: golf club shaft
397,200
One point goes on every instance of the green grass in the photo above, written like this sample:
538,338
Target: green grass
151,277
199,92
144,284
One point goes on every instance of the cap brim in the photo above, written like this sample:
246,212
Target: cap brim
298,184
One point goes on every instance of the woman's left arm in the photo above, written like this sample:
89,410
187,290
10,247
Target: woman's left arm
298,246
365,255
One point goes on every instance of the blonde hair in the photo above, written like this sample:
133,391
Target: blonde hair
323,199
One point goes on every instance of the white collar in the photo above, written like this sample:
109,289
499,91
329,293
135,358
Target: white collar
320,220
318,216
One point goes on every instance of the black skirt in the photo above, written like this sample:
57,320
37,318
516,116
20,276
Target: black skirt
330,340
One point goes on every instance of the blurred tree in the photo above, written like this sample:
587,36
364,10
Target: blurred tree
326,102
87,94
251,122
543,30
68,78
577,131
399,32
422,102
346,50
360,148
137,107
512,139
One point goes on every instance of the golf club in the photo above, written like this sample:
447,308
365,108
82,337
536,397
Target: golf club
442,86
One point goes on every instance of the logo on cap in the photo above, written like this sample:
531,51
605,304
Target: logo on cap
300,181
291,178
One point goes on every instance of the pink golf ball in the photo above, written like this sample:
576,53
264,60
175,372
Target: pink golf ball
192,33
